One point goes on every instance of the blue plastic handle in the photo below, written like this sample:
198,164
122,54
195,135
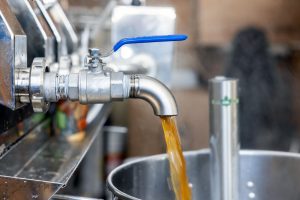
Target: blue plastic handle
148,39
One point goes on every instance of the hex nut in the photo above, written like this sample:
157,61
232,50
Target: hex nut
38,104
73,90
117,85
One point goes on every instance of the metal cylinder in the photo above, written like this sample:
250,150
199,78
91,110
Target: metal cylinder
224,141
94,87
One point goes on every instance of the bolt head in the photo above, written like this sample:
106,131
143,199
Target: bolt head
94,52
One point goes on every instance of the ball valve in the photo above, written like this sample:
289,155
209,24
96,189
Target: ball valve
95,84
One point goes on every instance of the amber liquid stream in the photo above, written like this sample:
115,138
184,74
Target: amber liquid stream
179,177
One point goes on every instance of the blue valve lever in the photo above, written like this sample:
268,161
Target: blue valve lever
147,39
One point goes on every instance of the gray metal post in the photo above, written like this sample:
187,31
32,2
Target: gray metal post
224,141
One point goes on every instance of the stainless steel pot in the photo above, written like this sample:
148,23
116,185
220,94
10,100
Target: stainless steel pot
264,175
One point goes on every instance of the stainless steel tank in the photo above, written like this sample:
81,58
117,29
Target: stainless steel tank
264,175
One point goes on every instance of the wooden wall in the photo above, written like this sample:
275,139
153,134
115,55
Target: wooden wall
219,20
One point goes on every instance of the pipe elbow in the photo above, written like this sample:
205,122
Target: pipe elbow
154,92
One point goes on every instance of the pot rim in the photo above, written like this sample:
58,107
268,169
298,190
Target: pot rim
118,193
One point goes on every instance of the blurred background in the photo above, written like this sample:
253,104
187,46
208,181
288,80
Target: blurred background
256,41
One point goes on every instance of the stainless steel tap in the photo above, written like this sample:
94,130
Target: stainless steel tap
41,87
94,83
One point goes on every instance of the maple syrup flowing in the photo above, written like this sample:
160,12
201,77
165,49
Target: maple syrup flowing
179,177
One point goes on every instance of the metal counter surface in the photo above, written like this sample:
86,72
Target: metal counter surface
39,165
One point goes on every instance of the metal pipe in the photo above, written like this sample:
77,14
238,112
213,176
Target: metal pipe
93,85
155,93
224,142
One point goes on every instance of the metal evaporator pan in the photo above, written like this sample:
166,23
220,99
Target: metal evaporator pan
264,175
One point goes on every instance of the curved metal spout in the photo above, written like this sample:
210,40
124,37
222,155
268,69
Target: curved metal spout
155,93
